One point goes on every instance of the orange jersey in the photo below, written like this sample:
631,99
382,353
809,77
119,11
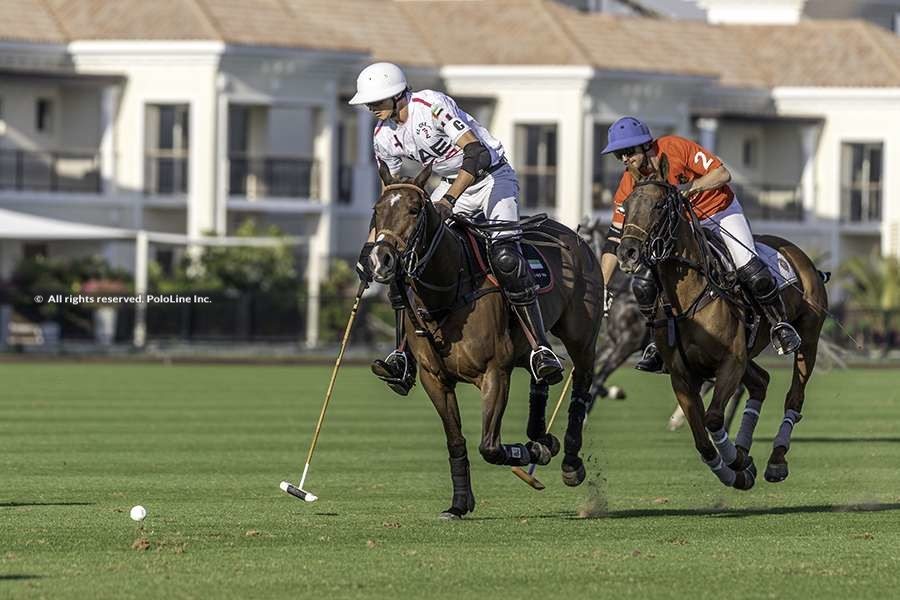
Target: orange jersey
687,162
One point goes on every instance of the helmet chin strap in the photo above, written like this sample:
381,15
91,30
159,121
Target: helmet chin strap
395,113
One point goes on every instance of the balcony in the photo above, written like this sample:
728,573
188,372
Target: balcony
166,173
50,171
254,177
770,201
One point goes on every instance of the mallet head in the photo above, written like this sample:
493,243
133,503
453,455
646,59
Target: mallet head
297,492
528,478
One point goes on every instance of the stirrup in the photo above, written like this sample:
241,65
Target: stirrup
785,339
555,374
387,371
651,361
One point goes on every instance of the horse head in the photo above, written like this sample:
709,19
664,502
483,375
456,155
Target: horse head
402,217
648,230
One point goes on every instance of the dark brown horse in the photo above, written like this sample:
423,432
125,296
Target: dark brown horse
701,334
465,332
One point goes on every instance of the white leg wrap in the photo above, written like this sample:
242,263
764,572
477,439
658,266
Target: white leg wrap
748,423
721,470
724,445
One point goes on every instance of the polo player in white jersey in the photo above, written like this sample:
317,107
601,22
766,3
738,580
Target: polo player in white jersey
429,128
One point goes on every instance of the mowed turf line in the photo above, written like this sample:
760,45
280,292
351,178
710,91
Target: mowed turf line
204,448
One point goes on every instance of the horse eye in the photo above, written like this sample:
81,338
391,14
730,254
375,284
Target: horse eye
414,211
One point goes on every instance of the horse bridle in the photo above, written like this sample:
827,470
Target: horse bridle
411,263
658,243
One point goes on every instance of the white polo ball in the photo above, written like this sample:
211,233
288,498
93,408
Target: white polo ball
138,513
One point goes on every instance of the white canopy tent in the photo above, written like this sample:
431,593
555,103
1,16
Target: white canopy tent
26,227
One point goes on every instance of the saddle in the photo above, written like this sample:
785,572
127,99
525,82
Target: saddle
779,267
469,286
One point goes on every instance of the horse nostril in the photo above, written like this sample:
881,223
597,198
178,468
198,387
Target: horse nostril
631,253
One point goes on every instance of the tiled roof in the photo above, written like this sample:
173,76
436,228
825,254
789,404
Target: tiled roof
485,32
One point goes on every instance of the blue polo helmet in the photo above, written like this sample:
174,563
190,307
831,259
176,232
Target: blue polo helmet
625,133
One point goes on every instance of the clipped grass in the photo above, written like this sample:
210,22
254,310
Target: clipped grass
204,448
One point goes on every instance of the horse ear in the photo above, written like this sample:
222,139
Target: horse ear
385,173
423,176
664,167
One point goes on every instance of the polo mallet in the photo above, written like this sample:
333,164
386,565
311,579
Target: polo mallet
298,491
528,476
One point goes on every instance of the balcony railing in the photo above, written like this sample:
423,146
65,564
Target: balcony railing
46,171
166,173
272,177
770,201
861,204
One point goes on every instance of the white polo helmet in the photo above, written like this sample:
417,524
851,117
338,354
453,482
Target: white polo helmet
378,82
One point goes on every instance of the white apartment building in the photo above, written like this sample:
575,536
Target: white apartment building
185,117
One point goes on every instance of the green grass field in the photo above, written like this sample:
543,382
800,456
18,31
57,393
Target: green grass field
204,448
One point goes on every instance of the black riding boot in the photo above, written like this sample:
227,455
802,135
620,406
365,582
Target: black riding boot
758,280
517,281
545,366
646,292
398,369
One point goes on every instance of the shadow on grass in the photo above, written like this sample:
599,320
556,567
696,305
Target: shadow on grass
15,504
711,512
834,440
19,577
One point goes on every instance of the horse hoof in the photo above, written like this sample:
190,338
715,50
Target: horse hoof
741,461
746,478
540,454
452,514
573,477
552,442
776,472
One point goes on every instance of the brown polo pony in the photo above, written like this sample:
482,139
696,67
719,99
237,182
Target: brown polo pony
702,334
465,332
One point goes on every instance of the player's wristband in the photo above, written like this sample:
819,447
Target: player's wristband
450,198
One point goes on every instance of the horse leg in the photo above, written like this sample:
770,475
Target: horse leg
494,387
537,425
688,395
804,362
443,397
573,471
733,402
618,354
728,377
602,370
756,379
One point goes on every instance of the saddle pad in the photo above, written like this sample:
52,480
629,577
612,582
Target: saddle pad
779,266
539,267
536,261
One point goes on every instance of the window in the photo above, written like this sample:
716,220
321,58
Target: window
167,147
536,157
861,182
43,115
750,152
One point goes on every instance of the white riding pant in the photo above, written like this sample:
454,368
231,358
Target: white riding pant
497,196
735,231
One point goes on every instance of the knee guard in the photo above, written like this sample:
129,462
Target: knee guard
758,280
513,272
645,291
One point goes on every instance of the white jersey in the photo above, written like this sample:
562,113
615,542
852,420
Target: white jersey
434,123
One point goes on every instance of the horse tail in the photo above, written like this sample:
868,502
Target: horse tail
824,275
